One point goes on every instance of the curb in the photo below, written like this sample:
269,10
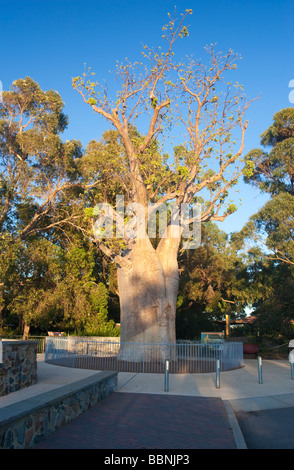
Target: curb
239,439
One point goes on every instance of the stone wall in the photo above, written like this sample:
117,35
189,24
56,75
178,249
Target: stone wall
19,366
24,425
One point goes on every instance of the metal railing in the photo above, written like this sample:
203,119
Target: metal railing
183,357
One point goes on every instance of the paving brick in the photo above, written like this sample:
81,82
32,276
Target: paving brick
147,421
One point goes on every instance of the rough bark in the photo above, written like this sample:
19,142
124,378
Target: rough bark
148,286
26,331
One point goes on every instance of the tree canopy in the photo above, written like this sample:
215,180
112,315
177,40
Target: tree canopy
272,172
49,270
269,234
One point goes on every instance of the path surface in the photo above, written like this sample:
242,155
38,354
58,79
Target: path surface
147,421
193,414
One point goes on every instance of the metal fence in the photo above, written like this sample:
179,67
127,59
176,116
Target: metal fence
183,357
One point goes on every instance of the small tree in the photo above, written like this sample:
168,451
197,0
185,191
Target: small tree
198,97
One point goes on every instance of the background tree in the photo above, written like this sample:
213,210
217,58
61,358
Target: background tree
212,112
273,173
269,234
213,284
37,168
43,192
273,300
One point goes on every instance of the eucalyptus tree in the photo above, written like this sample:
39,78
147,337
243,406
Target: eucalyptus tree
214,283
268,236
272,171
42,194
49,285
36,167
272,166
154,95
214,274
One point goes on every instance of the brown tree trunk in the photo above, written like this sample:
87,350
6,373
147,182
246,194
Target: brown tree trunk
26,331
148,287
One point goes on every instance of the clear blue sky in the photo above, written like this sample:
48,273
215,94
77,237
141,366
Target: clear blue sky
51,40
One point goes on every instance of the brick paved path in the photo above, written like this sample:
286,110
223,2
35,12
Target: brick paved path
147,421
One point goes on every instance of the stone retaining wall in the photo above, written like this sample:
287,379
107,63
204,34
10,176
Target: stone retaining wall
19,366
25,424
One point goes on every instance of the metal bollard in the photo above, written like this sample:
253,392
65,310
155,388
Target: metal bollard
166,376
291,360
292,370
217,369
259,364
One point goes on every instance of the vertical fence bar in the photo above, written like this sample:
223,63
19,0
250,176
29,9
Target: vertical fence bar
205,356
217,367
143,355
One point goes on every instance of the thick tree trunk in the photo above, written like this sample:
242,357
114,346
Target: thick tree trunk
148,287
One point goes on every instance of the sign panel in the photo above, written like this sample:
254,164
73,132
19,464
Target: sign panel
207,337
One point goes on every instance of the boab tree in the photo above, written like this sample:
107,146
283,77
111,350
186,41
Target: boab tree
165,92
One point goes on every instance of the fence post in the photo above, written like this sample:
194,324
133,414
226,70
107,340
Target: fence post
217,369
166,376
259,364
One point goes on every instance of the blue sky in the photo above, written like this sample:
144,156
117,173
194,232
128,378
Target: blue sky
51,40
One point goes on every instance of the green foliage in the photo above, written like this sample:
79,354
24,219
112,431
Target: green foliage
48,287
190,322
36,168
51,275
48,188
276,221
274,170
281,129
249,169
273,225
98,328
268,234
92,101
214,282
274,300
